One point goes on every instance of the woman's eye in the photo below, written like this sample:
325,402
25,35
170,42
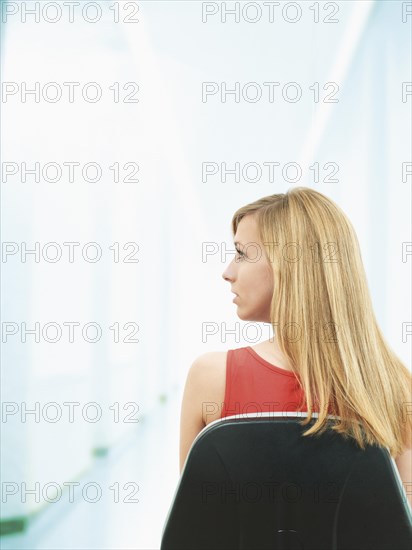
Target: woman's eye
240,253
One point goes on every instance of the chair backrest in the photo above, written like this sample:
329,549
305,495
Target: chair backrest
255,483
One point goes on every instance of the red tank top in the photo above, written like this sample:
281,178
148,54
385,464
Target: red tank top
254,385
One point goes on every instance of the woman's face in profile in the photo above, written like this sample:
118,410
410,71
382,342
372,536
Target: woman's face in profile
250,273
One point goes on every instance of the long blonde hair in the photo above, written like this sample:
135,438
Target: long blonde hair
344,365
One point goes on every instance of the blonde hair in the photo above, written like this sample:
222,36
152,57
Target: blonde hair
341,357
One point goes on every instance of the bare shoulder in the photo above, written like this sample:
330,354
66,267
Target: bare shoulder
210,367
209,370
210,362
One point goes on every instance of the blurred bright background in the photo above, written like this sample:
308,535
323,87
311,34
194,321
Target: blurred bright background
148,198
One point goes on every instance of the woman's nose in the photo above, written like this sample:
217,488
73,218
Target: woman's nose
225,275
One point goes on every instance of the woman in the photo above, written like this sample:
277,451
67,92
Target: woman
298,266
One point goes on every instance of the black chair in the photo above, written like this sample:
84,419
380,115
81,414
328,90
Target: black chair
252,482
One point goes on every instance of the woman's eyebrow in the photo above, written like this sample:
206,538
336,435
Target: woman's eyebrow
238,242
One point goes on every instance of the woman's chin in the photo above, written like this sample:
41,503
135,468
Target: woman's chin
241,315
244,316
